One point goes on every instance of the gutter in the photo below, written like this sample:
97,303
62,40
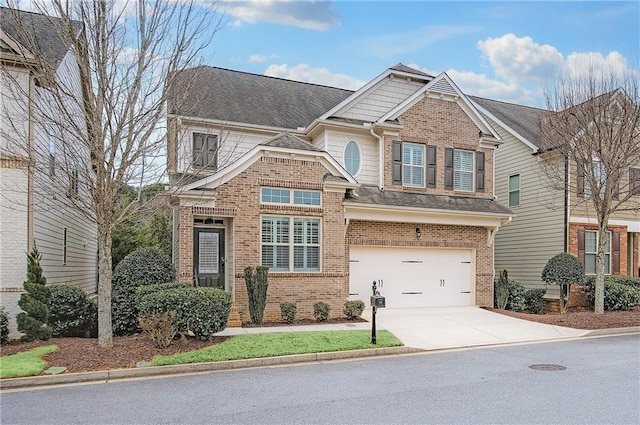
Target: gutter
380,157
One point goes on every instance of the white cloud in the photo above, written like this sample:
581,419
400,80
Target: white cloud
259,58
480,85
308,74
580,65
313,15
520,58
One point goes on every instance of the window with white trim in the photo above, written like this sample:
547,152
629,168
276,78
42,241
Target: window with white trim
600,176
52,156
352,158
269,195
291,244
634,181
413,165
514,190
591,252
205,150
463,170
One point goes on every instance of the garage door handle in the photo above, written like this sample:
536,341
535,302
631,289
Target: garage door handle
355,293
412,293
465,292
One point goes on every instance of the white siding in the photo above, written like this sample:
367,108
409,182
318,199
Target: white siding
369,154
13,228
381,99
14,116
525,245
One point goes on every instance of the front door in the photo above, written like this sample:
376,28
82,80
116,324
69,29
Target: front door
208,257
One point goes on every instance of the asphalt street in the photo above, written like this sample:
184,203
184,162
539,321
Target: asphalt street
585,381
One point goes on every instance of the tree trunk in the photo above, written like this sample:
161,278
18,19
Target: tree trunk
105,330
600,258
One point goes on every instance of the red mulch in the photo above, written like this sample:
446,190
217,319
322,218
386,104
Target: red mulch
84,354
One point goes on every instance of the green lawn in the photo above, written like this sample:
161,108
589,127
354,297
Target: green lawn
281,344
27,363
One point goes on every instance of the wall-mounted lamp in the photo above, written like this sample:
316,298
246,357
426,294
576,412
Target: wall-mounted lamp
418,233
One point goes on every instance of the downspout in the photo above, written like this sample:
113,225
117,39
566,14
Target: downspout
31,167
380,157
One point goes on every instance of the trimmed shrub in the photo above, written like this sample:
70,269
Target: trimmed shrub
516,300
353,309
145,266
143,290
321,311
617,296
4,327
257,285
634,282
534,300
71,312
32,322
564,270
203,311
161,328
288,312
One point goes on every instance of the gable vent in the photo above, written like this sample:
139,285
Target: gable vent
443,86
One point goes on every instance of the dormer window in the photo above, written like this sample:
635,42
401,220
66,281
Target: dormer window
205,150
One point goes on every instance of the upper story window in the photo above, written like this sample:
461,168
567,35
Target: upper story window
52,156
270,195
634,181
73,179
413,164
464,170
352,158
514,190
205,150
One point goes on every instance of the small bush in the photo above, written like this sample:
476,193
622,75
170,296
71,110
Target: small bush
203,311
288,312
145,266
501,290
149,289
353,309
4,327
71,312
634,282
321,311
161,328
534,300
32,321
516,300
617,296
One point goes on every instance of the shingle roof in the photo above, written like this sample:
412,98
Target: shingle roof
235,96
404,68
371,195
525,120
287,140
45,37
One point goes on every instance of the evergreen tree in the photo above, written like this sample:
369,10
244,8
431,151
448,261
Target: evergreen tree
32,322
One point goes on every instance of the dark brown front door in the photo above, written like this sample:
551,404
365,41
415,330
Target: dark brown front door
208,257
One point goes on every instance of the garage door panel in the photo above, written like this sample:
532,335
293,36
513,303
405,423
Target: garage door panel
412,277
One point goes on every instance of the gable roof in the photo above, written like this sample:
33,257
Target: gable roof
524,122
289,141
42,31
265,101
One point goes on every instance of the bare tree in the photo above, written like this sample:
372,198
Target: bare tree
111,131
592,137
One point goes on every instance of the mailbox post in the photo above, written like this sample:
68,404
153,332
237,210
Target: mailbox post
376,301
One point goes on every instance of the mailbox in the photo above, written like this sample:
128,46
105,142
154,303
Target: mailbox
377,301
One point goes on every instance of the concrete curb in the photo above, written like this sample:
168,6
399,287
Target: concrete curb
153,371
613,331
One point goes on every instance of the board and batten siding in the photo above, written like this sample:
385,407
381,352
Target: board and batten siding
388,94
536,234
369,153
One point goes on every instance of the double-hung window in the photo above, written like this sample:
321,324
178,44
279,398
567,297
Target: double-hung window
291,238
591,252
463,170
412,165
205,150
634,181
514,190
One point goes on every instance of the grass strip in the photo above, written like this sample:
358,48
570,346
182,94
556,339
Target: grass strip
281,344
27,363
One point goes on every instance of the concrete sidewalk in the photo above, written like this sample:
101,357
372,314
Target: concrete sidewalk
420,329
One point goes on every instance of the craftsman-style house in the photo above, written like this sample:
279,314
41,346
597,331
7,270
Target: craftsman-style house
333,189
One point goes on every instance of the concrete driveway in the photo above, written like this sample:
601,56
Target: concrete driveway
433,328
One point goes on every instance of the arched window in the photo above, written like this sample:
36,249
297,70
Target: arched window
352,158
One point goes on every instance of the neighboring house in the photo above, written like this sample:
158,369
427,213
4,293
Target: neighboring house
333,189
549,221
32,174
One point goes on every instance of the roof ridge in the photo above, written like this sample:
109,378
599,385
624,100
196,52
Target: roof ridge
508,103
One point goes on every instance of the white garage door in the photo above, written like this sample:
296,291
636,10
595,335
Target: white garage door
413,277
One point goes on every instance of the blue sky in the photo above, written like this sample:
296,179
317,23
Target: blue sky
501,50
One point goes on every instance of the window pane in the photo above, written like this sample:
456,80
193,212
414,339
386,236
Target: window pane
590,242
514,182
463,160
305,197
514,199
590,263
352,157
282,258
